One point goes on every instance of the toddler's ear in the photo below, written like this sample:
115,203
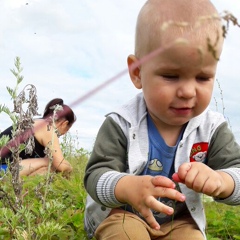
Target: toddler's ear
134,71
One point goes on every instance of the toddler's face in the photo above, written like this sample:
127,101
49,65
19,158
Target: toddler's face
178,83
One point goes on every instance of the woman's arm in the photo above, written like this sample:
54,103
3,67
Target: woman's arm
48,138
59,163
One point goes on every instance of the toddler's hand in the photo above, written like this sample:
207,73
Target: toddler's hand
141,192
201,178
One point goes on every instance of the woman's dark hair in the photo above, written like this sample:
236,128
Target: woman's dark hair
67,112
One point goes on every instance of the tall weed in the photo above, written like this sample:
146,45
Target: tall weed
40,207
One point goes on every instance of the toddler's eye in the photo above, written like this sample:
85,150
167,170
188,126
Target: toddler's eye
203,79
170,77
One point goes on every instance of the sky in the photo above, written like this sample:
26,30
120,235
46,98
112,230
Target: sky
70,48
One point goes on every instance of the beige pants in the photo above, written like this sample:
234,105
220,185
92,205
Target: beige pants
128,226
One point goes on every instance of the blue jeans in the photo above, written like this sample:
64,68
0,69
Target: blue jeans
3,167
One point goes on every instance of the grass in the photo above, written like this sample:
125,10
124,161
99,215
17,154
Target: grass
62,215
222,221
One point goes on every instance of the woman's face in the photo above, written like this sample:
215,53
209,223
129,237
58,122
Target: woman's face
63,127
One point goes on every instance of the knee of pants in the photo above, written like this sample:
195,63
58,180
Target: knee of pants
120,226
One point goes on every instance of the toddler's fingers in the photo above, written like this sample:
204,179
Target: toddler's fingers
170,193
165,187
182,171
150,219
160,181
176,178
157,206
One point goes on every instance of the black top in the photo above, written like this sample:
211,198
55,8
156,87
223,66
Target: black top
38,151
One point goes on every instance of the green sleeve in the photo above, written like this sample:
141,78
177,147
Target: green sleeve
109,153
224,151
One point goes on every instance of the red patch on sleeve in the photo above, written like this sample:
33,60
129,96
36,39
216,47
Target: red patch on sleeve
199,152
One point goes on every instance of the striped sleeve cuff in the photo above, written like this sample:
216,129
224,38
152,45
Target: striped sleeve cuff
234,199
106,188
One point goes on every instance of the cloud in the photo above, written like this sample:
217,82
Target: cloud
68,48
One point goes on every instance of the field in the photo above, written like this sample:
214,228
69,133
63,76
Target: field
59,213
